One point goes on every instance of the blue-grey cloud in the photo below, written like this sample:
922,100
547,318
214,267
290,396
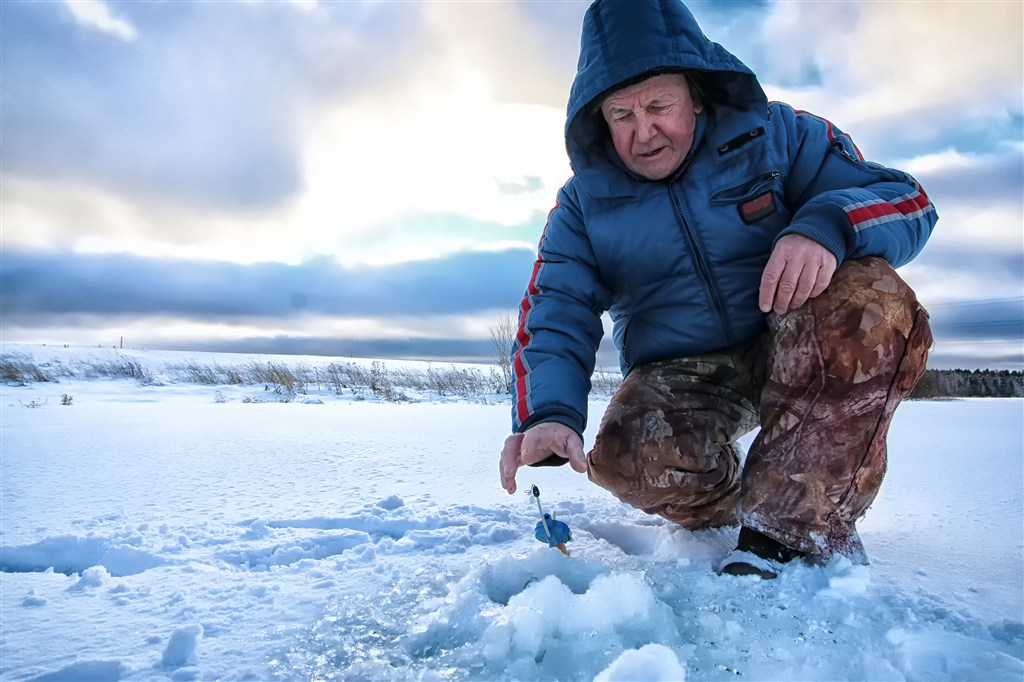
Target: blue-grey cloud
1000,269
478,351
973,330
945,130
204,107
941,358
415,348
991,319
38,290
35,286
1000,179
989,136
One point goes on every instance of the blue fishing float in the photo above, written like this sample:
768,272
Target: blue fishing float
549,529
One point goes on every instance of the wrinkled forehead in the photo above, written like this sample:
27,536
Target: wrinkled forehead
653,87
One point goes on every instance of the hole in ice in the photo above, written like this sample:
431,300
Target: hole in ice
502,580
632,539
662,539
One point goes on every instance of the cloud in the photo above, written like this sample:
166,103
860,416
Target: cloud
42,216
451,337
971,179
447,349
888,72
1000,319
976,356
39,285
978,242
230,122
96,15
447,337
951,270
207,109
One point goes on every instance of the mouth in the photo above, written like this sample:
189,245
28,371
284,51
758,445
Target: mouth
651,154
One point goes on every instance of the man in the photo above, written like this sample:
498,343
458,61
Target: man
745,252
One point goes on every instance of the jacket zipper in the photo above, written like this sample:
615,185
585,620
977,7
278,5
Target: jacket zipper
702,265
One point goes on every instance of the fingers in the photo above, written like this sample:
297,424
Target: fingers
509,463
798,269
770,281
536,445
785,284
799,290
575,454
824,277
795,286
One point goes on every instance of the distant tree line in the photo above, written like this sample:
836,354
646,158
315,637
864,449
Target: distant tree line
965,383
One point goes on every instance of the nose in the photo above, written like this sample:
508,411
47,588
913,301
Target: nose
646,129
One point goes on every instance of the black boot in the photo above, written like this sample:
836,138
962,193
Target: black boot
757,554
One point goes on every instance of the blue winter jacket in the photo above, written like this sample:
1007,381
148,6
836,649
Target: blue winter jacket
678,262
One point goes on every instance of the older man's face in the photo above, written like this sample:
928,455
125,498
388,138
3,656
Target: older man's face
652,124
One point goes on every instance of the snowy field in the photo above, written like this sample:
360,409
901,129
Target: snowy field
183,531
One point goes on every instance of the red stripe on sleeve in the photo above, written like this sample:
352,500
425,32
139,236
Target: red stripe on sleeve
522,413
912,204
865,213
915,203
523,335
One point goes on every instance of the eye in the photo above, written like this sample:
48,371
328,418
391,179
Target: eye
659,108
622,117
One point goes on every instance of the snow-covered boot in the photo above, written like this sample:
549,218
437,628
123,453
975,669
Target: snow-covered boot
757,554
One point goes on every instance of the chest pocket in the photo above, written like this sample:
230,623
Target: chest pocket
755,199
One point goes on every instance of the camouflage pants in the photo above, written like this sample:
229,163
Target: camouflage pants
822,383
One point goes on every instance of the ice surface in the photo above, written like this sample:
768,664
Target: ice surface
176,532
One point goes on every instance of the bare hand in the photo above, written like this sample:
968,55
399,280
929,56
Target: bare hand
537,444
798,269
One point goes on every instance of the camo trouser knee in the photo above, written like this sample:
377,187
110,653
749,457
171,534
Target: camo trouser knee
837,369
822,382
667,441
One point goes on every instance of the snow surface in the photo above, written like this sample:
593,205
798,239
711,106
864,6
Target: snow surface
177,532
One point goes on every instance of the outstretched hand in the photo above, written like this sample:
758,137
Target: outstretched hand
798,269
537,444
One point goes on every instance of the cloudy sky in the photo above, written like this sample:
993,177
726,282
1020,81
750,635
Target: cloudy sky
370,178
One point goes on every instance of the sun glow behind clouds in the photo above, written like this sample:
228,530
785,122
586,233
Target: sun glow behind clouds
429,147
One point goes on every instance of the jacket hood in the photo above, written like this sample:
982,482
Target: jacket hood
623,39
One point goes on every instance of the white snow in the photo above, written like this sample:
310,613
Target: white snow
154,532
653,662
181,649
